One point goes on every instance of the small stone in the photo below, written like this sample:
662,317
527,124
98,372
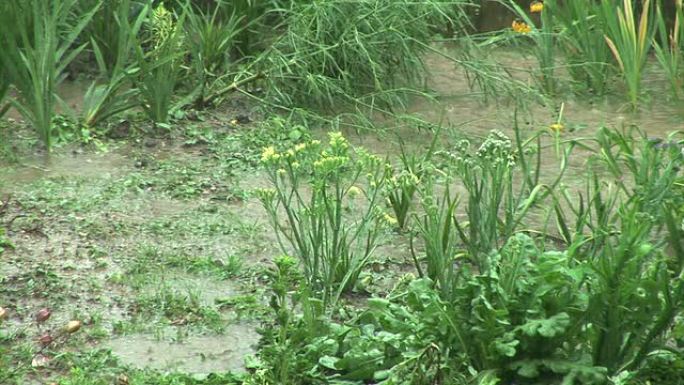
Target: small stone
45,340
43,315
40,361
243,119
73,326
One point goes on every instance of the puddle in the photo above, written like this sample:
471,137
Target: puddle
98,165
195,355
208,291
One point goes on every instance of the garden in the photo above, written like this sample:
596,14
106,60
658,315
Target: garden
390,192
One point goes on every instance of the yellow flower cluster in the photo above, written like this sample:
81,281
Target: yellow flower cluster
520,27
337,141
390,220
269,155
536,6
330,163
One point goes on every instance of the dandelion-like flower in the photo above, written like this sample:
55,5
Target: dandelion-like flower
536,6
269,154
521,27
557,127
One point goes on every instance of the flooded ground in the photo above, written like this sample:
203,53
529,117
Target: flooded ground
200,355
160,249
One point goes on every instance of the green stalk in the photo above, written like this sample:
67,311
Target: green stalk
630,43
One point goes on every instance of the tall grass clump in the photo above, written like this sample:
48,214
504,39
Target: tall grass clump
582,34
323,208
38,43
159,59
211,37
630,41
103,28
669,47
543,40
112,94
364,53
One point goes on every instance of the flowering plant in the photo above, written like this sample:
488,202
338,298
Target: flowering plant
323,207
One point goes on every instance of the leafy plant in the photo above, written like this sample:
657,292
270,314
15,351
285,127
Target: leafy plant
38,44
318,188
635,285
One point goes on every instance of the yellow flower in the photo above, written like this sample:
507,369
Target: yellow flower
536,6
300,147
390,220
521,27
269,154
557,127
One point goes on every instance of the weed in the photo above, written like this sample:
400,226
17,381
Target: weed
178,308
315,186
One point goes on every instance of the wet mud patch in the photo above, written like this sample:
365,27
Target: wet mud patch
195,355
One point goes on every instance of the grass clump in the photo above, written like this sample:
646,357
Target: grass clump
37,41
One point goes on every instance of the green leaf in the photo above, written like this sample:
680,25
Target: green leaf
328,362
506,348
548,328
528,369
295,135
